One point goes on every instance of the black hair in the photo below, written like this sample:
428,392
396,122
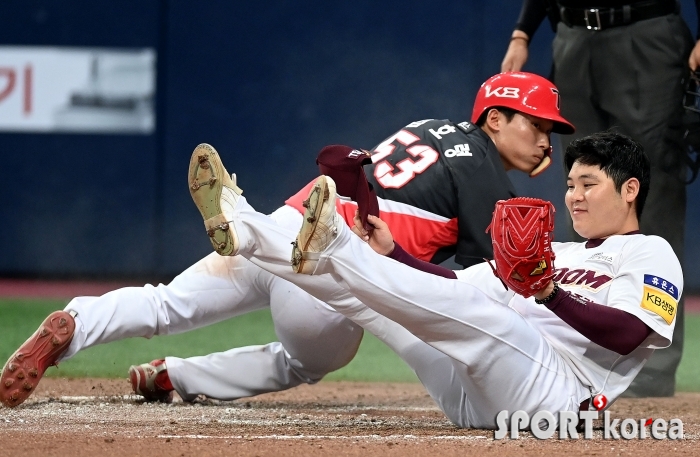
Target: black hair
507,112
619,156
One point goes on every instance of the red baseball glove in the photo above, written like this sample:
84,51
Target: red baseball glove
521,234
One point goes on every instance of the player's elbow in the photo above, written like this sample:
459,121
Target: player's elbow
636,338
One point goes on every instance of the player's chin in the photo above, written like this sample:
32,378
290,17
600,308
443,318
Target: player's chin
584,230
527,166
535,161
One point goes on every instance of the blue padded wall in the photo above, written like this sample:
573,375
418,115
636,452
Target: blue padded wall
268,84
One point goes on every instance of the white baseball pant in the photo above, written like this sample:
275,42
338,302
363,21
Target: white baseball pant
497,360
313,339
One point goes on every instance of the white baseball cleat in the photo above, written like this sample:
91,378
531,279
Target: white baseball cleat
215,193
320,226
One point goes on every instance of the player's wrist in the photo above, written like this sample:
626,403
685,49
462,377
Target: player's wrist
547,294
390,250
520,37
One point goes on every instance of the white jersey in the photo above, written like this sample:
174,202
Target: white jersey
635,273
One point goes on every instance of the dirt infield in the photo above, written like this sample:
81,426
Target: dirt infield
88,417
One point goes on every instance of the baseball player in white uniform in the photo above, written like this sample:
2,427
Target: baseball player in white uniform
478,347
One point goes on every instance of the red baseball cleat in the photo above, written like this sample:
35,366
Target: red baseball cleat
27,365
151,381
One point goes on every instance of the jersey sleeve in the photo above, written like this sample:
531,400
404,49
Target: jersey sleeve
649,284
532,13
477,189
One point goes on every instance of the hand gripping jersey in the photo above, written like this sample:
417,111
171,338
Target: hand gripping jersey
635,273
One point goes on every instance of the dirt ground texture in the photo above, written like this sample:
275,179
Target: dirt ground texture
88,417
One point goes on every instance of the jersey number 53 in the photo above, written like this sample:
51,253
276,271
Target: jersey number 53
387,175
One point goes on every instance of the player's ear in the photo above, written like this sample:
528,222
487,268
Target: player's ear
493,119
630,190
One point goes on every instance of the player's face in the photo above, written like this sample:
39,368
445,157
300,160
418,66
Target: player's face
524,141
597,209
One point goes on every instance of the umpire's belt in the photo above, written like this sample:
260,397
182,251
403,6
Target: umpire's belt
603,18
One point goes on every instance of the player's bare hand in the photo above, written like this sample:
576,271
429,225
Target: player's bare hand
380,239
358,228
694,59
517,52
546,291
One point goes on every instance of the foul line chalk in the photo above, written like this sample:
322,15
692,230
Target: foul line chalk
326,437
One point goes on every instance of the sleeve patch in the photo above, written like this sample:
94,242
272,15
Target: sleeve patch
661,284
659,302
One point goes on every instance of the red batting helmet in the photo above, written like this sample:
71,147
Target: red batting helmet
524,92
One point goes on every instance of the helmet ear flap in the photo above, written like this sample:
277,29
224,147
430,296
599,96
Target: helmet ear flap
544,164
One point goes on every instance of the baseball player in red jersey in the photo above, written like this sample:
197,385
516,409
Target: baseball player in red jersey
556,338
457,171
437,182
